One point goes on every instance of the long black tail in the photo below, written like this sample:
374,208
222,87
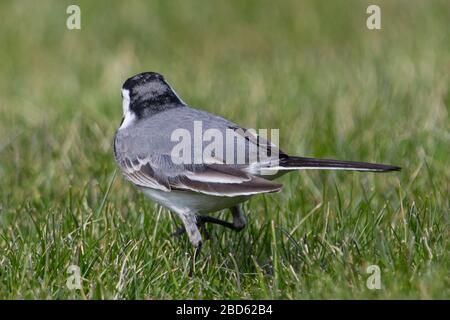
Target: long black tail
293,163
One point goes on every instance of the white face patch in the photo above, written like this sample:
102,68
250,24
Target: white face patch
128,115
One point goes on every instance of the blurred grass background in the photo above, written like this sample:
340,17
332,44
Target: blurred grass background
311,68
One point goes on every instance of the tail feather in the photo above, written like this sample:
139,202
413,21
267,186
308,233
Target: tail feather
292,163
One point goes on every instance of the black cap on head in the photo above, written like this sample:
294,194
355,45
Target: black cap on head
141,79
149,93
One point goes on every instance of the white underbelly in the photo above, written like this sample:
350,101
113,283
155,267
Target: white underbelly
192,202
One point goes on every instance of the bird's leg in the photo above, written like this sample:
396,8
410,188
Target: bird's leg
239,219
205,219
190,226
200,224
203,230
179,232
239,222
198,249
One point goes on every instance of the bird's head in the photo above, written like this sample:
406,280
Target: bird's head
147,93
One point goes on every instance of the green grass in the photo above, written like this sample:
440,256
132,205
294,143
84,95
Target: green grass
311,68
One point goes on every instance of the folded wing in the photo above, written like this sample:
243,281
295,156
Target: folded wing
212,179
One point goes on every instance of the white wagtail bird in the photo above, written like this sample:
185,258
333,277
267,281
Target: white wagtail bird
144,151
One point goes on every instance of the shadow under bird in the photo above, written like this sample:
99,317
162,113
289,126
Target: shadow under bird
143,149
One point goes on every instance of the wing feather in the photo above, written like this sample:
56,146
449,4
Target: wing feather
213,179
